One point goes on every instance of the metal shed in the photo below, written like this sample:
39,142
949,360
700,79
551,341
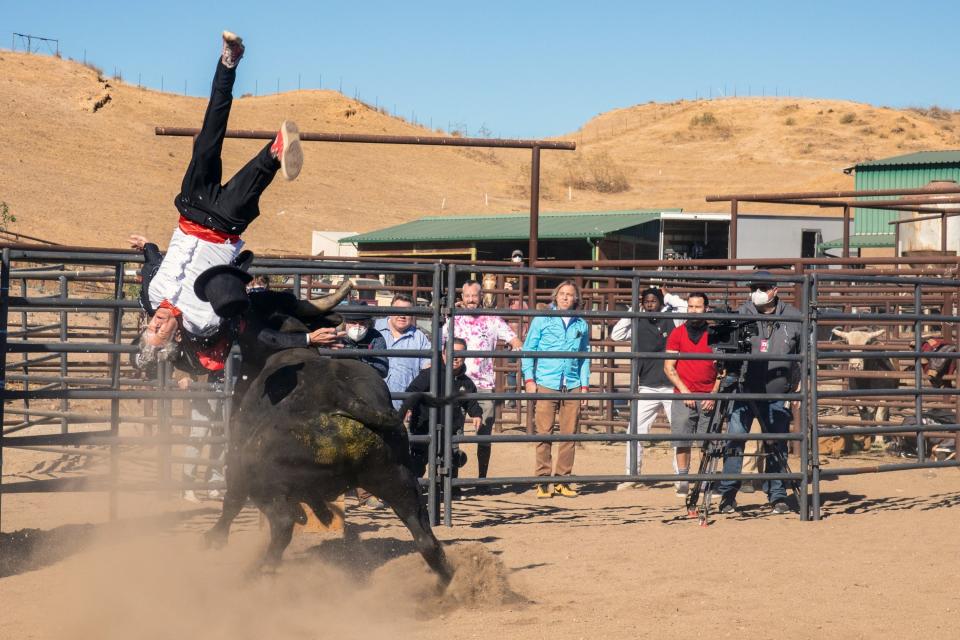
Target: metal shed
597,235
871,227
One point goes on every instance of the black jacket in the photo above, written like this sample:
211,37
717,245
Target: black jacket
420,416
373,340
151,264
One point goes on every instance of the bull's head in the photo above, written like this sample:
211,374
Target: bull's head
857,339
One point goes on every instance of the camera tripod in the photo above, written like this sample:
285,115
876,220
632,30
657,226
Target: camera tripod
714,450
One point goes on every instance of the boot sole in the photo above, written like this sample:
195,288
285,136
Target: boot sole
291,160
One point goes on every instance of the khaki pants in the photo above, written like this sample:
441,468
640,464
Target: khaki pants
543,418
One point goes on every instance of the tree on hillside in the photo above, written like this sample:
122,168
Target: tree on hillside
5,216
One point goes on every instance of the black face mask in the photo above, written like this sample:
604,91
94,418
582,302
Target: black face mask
696,324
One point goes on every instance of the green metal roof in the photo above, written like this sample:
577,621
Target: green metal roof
870,241
594,224
917,158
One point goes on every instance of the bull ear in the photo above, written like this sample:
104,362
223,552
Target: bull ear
873,335
309,308
841,334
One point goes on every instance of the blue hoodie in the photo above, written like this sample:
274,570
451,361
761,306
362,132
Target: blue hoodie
550,334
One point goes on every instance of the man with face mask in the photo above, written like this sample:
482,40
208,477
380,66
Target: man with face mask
360,334
652,336
690,376
778,336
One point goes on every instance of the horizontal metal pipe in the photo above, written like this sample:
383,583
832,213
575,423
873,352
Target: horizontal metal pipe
848,193
103,438
106,394
852,431
587,479
626,437
363,138
892,393
94,453
883,468
102,483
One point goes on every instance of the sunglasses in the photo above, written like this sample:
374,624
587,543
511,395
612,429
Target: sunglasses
761,287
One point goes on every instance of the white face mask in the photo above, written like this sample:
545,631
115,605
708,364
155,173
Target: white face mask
356,332
760,298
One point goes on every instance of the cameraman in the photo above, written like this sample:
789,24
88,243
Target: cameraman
777,336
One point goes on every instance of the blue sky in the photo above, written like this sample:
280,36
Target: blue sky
521,68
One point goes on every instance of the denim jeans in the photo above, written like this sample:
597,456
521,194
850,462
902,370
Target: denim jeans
777,418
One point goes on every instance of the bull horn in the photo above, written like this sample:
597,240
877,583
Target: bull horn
873,335
325,304
842,334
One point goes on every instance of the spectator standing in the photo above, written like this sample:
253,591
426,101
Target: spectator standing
690,376
420,417
359,334
552,375
652,334
481,333
400,332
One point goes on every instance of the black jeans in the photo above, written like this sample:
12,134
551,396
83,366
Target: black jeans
202,199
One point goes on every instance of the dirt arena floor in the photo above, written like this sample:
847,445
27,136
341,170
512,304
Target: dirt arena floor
882,563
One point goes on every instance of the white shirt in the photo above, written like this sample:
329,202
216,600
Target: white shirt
186,258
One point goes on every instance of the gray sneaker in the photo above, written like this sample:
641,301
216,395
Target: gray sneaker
232,49
728,506
682,488
287,149
781,506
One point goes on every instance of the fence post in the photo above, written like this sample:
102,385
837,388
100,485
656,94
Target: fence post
634,375
814,410
117,318
4,309
805,369
433,497
448,409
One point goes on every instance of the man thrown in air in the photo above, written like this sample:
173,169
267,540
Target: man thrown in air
212,218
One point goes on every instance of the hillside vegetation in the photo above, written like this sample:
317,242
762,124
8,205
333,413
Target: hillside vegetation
82,166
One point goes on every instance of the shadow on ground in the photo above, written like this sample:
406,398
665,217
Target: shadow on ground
31,549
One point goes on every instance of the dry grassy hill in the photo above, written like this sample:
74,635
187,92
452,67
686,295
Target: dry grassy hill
82,165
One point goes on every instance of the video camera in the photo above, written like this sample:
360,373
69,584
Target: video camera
732,336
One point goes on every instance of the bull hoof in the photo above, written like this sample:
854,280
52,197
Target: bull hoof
259,571
215,539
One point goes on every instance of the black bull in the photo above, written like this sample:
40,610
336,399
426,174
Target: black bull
309,429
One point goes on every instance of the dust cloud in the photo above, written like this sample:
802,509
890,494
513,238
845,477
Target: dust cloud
154,587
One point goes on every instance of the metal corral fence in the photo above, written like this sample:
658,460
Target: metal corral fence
70,317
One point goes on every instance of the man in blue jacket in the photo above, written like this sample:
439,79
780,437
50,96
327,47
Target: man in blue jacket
550,375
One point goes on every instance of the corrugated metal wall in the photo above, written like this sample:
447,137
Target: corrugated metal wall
874,221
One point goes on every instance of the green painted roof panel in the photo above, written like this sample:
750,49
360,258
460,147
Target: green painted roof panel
917,158
509,227
874,241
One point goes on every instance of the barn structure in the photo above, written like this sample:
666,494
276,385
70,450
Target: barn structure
639,234
872,232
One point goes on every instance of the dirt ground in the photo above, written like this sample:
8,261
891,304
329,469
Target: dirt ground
608,564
